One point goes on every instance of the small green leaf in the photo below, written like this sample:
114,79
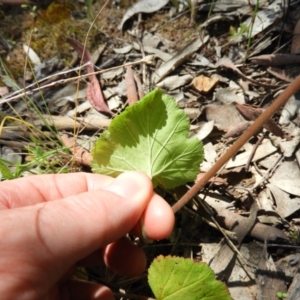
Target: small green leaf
176,278
282,295
151,136
4,169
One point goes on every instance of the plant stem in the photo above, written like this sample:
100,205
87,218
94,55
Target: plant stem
252,130
251,27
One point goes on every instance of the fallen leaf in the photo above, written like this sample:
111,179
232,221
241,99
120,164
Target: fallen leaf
142,6
253,113
181,56
269,279
290,109
93,92
174,82
132,96
264,149
285,205
34,58
204,84
224,116
287,177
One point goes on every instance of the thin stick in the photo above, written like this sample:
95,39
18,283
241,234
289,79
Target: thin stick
146,60
252,130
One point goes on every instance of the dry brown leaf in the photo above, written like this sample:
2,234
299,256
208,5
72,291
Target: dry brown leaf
139,86
93,92
224,116
237,130
252,114
132,96
204,84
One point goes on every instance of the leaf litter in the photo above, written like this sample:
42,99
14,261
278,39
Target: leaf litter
230,46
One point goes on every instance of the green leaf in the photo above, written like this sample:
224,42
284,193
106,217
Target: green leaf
151,136
5,171
176,278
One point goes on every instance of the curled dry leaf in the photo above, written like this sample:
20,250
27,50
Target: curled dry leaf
93,92
132,96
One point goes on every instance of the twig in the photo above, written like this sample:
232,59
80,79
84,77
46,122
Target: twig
253,152
146,60
252,130
68,123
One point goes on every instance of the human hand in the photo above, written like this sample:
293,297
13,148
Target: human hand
50,224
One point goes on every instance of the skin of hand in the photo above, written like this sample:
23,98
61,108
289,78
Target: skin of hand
51,224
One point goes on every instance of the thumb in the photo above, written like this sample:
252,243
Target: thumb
70,229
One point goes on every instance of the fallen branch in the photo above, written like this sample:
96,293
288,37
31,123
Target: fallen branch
68,123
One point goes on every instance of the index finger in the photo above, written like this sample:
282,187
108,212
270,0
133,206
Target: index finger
41,188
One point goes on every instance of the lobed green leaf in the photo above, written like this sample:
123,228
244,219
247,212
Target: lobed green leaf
177,278
151,136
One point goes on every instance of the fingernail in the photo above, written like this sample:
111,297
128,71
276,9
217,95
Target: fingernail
144,236
125,185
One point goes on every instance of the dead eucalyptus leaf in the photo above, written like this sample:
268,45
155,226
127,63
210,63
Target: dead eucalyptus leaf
143,6
132,96
181,56
93,91
285,204
224,116
253,113
287,177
